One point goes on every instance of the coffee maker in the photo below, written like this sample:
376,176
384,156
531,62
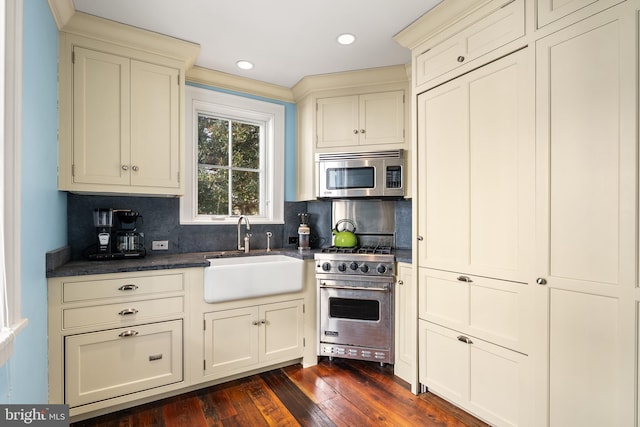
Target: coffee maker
117,239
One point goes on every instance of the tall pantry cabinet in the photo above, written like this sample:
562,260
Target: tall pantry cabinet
542,221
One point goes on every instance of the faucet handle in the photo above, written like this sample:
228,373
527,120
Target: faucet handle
269,235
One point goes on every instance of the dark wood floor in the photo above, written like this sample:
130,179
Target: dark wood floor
334,393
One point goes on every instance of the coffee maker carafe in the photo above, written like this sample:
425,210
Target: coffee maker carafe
129,241
304,232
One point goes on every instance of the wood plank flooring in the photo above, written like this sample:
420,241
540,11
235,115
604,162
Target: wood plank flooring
334,393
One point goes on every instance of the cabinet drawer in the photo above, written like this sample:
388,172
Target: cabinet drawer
107,364
494,310
121,287
497,29
122,313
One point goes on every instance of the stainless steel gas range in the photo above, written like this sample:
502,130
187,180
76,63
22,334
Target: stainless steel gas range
355,294
355,287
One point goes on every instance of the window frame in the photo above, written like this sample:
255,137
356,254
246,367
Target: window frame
219,104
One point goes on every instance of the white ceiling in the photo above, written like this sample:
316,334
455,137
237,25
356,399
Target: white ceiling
285,39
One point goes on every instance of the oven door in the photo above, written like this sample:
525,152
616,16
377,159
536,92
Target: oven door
356,316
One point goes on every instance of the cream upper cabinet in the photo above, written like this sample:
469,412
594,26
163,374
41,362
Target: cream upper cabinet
500,27
587,195
125,124
476,172
369,119
552,10
121,108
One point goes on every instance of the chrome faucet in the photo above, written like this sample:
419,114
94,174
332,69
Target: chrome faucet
247,235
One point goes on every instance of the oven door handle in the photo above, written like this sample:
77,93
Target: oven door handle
355,288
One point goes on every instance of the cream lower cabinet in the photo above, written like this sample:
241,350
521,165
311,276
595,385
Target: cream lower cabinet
246,338
114,338
406,294
487,380
587,189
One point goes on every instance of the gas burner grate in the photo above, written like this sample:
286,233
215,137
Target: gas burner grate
358,250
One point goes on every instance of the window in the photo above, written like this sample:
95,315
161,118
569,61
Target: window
234,159
11,321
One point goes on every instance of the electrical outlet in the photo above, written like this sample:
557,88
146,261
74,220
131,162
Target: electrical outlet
293,240
160,245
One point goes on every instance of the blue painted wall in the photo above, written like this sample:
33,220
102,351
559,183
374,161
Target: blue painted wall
290,151
44,213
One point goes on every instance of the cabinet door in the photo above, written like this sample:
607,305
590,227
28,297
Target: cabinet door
100,118
405,298
476,172
487,380
552,10
337,122
106,364
381,118
155,148
281,331
587,195
231,341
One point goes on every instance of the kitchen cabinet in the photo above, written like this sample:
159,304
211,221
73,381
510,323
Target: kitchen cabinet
371,119
121,111
246,338
406,294
116,337
487,380
334,109
476,172
552,10
586,169
502,25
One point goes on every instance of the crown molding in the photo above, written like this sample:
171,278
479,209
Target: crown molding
62,11
208,77
436,21
396,74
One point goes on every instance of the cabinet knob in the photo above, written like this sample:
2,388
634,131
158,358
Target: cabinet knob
363,131
400,282
420,238
355,131
460,58
541,281
129,333
125,167
135,168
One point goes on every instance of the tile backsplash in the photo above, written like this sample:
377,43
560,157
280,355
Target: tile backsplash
161,221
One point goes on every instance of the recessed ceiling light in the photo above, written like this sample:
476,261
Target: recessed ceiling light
346,38
245,65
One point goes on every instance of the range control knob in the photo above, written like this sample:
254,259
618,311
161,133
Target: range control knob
342,267
326,266
364,268
353,266
381,268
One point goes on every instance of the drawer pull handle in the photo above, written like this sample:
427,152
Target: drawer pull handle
464,339
155,357
128,311
129,333
465,279
128,288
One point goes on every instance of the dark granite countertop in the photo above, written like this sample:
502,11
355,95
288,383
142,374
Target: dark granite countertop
156,262
172,261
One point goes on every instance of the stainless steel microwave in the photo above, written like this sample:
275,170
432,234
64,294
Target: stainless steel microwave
361,174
